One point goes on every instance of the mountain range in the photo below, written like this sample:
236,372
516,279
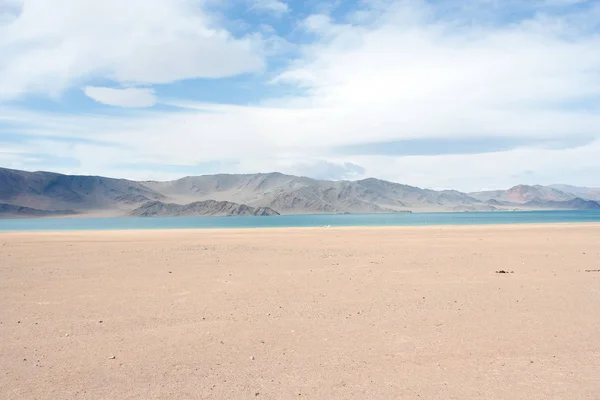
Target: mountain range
38,194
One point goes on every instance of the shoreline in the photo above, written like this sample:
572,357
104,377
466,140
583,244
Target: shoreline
291,229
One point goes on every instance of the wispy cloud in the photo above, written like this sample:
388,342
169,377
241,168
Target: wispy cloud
129,97
275,6
321,169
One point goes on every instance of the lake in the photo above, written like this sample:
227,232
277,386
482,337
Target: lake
288,221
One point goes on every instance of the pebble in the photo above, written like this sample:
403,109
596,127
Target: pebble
252,358
112,358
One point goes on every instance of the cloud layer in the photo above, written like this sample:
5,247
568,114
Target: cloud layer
434,94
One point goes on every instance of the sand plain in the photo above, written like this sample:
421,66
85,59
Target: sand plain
337,313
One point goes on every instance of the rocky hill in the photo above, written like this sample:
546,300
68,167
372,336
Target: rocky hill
199,208
10,211
573,204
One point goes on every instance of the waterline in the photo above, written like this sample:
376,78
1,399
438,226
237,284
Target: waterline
292,221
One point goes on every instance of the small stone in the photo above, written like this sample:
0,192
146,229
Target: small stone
252,358
66,335
112,357
256,394
100,322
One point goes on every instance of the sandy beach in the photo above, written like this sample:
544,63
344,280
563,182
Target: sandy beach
338,313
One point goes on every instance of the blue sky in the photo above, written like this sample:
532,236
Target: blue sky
440,93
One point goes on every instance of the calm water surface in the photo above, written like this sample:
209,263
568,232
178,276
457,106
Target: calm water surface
400,219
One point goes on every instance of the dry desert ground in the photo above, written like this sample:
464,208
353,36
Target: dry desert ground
338,313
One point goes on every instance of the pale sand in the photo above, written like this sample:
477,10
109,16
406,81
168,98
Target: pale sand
354,313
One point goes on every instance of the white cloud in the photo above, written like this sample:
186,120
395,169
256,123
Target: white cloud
398,72
53,45
275,6
9,10
408,76
494,170
130,97
314,168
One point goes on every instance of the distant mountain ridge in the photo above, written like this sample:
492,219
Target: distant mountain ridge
290,194
582,192
261,194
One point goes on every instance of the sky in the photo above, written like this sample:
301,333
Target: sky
463,94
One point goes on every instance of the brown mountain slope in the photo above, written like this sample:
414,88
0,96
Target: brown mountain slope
50,191
582,192
522,194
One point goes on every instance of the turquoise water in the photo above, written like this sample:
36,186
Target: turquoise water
402,219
